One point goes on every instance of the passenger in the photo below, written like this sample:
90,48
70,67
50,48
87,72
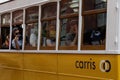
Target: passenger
5,45
72,35
51,34
17,40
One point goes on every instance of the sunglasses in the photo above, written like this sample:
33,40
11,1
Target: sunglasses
17,33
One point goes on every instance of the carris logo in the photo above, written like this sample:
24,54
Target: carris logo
105,65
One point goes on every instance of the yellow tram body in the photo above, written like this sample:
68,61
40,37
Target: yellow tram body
84,60
17,66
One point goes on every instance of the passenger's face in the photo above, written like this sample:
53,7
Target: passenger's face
73,28
17,32
52,27
7,37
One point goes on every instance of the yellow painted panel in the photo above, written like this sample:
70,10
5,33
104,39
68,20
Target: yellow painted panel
17,66
39,76
14,60
8,74
118,66
88,66
41,62
76,78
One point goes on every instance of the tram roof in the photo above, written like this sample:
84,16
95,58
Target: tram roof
18,4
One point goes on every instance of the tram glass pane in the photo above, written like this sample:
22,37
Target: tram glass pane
69,32
94,4
69,6
31,34
94,29
5,19
48,33
5,31
32,14
49,10
18,17
5,37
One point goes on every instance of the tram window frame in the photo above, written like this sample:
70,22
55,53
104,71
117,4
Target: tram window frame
88,13
68,16
29,15
5,26
51,21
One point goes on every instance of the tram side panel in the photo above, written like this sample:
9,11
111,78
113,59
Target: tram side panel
40,66
10,74
87,67
118,66
27,66
11,66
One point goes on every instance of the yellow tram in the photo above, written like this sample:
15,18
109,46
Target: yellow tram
60,40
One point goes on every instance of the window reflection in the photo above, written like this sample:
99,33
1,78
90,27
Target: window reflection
32,14
94,29
49,33
49,10
69,32
69,6
6,19
94,4
18,17
31,34
48,27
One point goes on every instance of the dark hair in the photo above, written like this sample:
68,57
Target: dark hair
14,29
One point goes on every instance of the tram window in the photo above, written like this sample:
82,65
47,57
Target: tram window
17,17
31,35
31,29
69,24
48,33
94,24
5,36
5,31
48,19
69,32
17,30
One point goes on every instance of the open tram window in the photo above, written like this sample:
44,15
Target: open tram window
48,19
5,37
31,29
17,30
69,24
94,24
17,37
5,31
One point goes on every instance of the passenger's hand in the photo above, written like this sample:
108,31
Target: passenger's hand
16,38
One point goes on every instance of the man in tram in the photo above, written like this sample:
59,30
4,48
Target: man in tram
17,39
